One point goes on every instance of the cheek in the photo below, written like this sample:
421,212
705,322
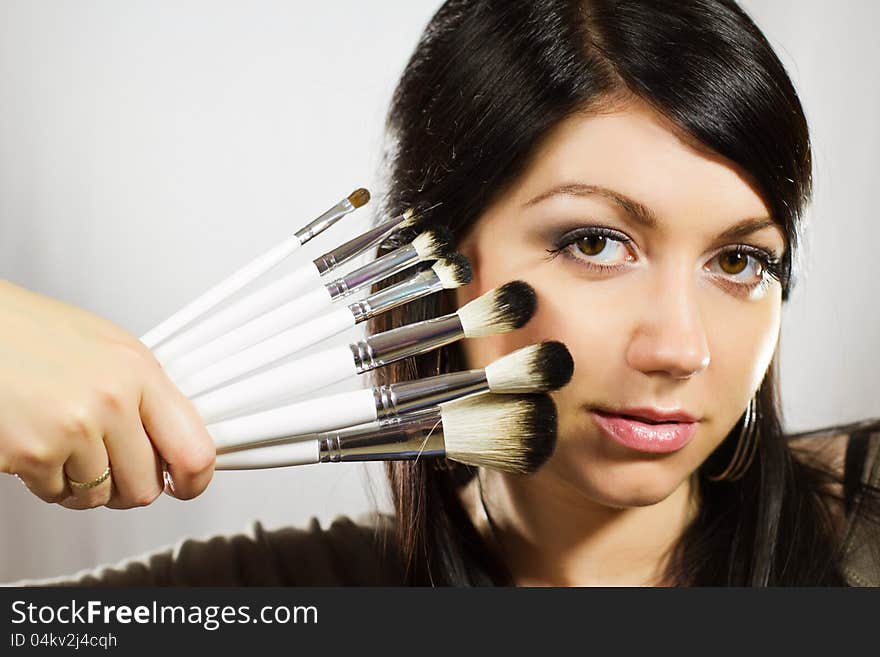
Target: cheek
597,320
742,343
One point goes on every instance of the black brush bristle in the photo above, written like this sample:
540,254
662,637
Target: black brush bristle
555,363
444,241
416,225
516,302
542,428
401,236
461,267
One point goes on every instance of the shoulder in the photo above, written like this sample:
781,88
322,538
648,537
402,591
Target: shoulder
825,450
848,451
359,551
852,454
347,551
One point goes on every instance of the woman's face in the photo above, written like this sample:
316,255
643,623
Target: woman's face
647,256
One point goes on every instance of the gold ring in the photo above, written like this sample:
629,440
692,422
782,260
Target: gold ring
82,485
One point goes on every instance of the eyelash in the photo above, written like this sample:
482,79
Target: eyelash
770,264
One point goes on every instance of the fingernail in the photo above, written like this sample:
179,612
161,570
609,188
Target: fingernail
169,483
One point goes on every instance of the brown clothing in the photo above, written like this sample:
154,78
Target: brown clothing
361,552
861,538
347,553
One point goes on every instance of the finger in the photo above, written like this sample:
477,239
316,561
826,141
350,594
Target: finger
137,477
44,473
169,483
179,435
87,462
48,483
40,471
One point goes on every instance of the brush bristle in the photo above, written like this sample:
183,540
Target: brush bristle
359,197
499,310
453,271
434,244
512,433
536,368
411,219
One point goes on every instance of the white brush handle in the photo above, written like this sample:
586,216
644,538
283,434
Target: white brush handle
309,416
221,291
252,306
304,452
268,351
258,329
287,380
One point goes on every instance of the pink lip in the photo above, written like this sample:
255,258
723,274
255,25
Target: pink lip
653,414
643,436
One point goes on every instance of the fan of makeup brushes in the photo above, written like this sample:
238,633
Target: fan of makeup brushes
246,356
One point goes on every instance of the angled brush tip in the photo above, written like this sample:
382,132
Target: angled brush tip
502,309
453,271
410,218
434,244
542,432
511,433
359,197
555,361
517,301
536,368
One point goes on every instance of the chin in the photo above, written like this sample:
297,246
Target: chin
618,484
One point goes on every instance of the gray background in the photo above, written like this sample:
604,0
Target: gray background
148,148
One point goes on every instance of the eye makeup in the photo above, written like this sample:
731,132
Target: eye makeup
571,242
575,244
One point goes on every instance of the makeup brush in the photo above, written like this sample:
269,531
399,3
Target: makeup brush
287,287
536,368
448,273
253,269
511,433
502,309
429,245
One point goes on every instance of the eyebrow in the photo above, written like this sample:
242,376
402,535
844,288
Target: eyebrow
639,212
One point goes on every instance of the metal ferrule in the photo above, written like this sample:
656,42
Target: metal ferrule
411,396
372,272
326,220
404,439
354,247
421,285
405,341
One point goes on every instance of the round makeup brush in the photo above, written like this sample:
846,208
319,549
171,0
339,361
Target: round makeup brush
500,310
510,433
430,245
536,368
447,273
253,270
306,278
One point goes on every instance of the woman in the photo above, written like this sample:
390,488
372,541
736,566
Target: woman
644,166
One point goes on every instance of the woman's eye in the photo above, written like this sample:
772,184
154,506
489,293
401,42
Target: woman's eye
599,249
741,266
605,250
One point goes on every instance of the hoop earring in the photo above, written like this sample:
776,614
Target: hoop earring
746,447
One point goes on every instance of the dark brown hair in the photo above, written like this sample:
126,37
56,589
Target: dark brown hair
486,82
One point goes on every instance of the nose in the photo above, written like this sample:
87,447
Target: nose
669,337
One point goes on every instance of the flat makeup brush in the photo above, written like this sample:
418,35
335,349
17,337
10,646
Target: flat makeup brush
536,368
304,278
511,433
448,273
253,270
430,245
502,309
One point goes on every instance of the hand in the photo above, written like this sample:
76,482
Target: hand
78,393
